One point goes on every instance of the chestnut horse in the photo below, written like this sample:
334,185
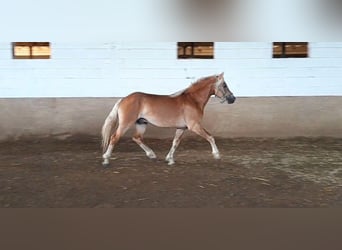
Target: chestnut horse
182,110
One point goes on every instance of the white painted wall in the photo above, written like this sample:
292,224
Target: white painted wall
118,68
73,70
249,67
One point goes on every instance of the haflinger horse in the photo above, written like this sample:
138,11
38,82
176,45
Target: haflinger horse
182,110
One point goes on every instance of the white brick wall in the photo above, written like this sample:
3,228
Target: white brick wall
249,68
118,68
73,70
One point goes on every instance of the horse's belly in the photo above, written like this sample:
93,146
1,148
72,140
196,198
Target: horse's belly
165,121
163,112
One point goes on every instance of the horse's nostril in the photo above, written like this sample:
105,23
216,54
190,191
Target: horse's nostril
231,99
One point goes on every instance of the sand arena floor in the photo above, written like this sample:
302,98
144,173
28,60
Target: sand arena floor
298,172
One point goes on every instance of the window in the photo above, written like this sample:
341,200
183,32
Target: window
290,49
31,50
201,50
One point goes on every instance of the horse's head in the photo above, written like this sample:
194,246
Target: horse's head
222,91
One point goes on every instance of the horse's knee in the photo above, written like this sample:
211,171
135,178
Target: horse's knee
211,139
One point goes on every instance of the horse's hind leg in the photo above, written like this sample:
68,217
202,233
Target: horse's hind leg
113,141
175,143
138,138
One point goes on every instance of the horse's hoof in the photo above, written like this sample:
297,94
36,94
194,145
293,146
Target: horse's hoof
217,156
171,162
151,155
105,163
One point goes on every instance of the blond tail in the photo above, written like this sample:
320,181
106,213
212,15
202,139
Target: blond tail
109,125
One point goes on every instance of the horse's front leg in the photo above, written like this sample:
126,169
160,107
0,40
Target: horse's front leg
197,128
175,143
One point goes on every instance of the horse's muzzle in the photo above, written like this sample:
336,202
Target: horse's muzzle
231,99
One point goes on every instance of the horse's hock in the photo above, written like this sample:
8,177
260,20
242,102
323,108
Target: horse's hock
248,117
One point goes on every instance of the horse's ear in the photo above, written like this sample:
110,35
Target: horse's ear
220,75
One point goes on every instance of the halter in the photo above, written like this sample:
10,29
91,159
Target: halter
220,88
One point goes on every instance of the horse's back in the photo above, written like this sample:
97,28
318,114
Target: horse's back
141,100
143,97
148,95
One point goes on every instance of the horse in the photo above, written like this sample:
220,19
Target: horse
182,110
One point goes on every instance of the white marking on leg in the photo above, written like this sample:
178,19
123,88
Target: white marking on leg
149,152
169,156
175,143
107,154
215,150
141,128
171,161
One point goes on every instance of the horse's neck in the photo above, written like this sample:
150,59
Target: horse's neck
201,94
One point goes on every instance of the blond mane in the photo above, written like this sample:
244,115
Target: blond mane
193,86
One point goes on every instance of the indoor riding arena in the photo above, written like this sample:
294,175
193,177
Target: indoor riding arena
289,170
280,142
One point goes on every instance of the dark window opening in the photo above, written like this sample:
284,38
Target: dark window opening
200,50
31,50
290,49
